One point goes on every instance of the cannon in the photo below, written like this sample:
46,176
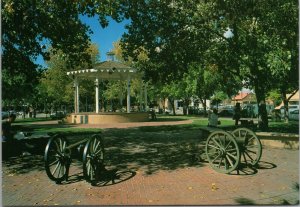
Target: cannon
225,151
58,157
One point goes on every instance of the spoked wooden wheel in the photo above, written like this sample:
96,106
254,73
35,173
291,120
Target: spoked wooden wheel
222,152
93,158
57,159
251,148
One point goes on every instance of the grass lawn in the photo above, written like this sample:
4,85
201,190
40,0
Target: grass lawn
28,120
227,123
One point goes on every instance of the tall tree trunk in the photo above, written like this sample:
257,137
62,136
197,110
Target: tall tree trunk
285,105
262,110
172,105
285,101
186,102
203,101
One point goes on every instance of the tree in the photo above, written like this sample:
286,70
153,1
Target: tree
218,97
28,28
58,87
177,33
203,81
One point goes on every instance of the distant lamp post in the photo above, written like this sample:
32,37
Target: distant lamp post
228,34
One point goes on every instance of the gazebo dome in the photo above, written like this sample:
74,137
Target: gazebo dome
107,70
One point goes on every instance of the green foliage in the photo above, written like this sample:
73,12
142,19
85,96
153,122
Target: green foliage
57,87
275,96
28,28
263,50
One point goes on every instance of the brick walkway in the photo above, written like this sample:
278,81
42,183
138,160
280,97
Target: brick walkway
155,173
274,183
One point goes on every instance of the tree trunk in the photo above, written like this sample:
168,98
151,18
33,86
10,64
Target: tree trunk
185,106
285,106
173,106
262,110
203,101
286,103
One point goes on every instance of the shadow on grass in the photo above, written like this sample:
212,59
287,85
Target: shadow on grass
27,120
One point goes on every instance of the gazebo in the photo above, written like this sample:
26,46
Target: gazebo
107,70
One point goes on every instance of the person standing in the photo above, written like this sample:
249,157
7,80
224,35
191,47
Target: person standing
237,113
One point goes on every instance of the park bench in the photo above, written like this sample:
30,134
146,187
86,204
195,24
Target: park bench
248,122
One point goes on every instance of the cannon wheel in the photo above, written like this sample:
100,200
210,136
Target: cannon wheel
93,158
57,159
251,148
222,152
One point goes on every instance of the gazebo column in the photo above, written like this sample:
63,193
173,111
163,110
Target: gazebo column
128,94
141,99
97,94
76,98
145,97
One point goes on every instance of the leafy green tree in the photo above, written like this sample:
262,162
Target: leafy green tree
176,33
218,97
28,28
58,87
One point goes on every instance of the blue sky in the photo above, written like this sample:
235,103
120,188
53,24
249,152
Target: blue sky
103,37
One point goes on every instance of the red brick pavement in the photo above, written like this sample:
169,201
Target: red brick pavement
273,183
183,186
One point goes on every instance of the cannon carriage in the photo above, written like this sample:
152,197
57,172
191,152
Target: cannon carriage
225,151
58,157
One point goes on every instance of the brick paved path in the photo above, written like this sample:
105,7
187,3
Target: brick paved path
190,185
155,169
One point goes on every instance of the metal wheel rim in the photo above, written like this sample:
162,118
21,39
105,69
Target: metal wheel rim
92,156
251,149
56,158
222,152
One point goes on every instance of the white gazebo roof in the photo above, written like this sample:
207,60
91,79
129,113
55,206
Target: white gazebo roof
108,70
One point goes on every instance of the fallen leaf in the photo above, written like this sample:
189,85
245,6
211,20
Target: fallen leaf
190,188
11,175
78,201
213,187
